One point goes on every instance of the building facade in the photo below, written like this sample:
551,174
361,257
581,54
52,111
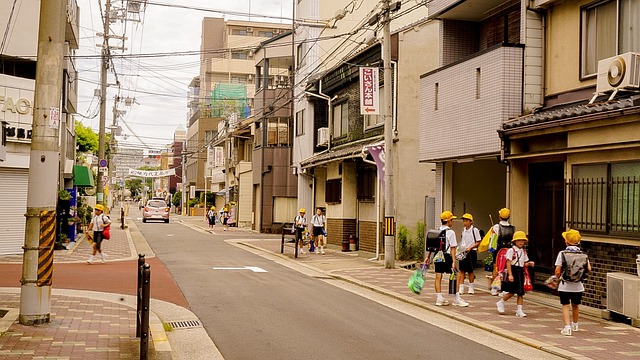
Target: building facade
17,84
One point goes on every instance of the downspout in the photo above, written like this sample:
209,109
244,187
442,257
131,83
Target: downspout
395,100
330,101
364,158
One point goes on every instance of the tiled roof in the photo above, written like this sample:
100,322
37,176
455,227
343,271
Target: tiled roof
347,151
573,110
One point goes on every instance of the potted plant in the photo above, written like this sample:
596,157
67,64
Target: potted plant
488,263
71,221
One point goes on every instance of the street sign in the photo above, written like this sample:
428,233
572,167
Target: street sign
102,163
103,169
105,179
369,84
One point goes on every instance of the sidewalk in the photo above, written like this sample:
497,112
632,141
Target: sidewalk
99,321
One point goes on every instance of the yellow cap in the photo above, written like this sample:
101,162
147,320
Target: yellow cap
213,208
303,210
447,215
504,213
572,237
519,235
467,216
99,207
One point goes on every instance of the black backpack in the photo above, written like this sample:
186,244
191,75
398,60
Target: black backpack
505,235
574,266
436,240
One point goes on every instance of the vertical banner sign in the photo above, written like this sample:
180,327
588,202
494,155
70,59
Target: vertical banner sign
369,86
54,118
377,152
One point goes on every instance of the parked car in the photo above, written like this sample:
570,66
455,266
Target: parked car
156,210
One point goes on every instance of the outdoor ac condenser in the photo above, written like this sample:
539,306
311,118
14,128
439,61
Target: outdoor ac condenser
619,72
623,294
323,136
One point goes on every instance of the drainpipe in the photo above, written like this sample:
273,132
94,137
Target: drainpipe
364,159
395,100
330,101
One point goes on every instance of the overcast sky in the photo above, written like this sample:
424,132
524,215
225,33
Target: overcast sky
158,83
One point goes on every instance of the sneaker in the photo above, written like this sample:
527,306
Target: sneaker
566,331
460,303
103,257
503,294
471,291
301,251
494,292
500,306
322,252
520,313
90,260
442,302
574,327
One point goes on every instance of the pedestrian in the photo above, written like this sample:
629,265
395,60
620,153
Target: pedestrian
98,223
300,225
448,266
467,253
571,291
225,217
211,216
513,283
318,223
504,231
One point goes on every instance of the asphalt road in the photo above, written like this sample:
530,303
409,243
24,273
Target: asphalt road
283,314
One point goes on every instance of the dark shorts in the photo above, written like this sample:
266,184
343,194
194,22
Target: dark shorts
574,298
212,220
97,238
516,286
469,263
318,231
224,221
299,232
444,267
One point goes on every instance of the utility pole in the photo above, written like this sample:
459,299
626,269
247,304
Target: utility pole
183,208
389,203
112,146
40,228
103,100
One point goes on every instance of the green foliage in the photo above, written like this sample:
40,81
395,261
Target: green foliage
411,248
86,139
211,198
177,198
404,252
84,211
418,250
194,202
135,185
64,195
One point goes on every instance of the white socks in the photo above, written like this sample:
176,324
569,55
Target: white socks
519,308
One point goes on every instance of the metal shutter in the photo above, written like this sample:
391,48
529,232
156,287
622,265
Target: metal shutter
13,193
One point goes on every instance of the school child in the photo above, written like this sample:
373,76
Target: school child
513,283
570,287
299,226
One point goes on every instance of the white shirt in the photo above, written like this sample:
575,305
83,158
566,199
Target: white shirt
301,221
517,254
496,227
467,239
318,221
565,285
451,238
99,220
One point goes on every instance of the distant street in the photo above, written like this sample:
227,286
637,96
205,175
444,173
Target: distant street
283,314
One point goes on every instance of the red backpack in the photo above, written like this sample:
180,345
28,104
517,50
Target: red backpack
501,263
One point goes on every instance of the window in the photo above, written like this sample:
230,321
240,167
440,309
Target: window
366,184
300,123
265,33
241,32
374,120
604,198
278,132
340,119
239,55
238,79
608,28
333,191
301,55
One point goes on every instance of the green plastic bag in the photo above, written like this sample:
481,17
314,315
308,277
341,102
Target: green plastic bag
416,282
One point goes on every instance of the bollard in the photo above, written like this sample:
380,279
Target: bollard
139,293
144,315
122,218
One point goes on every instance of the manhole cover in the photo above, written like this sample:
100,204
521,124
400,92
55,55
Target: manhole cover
185,324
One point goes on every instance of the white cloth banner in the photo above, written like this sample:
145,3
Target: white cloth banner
152,173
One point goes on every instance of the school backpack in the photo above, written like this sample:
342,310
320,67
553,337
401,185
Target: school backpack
505,234
501,263
574,266
436,240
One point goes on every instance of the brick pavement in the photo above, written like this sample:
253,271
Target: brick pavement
597,338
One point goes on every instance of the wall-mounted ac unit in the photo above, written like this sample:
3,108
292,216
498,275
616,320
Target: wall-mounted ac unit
249,29
323,136
619,72
623,294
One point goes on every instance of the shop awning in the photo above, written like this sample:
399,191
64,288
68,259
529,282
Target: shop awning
82,176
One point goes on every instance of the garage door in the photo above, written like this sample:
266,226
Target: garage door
13,206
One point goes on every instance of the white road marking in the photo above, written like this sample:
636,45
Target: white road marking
252,268
169,234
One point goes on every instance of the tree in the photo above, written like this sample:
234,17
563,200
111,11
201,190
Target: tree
86,139
135,185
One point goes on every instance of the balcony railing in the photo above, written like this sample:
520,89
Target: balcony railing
273,102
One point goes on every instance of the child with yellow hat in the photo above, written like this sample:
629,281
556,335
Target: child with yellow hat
513,284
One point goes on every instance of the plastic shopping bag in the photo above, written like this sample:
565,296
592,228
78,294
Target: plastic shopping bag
416,282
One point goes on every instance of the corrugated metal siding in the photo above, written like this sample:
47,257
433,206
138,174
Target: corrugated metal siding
13,193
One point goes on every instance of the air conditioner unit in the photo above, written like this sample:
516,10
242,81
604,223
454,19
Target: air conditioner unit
249,29
619,72
623,294
323,136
